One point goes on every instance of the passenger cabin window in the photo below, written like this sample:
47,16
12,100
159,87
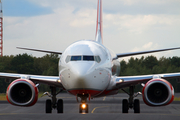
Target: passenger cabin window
83,58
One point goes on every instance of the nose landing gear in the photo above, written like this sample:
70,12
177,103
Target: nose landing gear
83,107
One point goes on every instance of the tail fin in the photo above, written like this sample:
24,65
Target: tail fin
99,32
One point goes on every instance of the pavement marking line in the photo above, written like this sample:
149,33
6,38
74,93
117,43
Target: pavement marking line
17,113
98,107
104,98
8,113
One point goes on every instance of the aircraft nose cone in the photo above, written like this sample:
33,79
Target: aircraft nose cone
80,73
81,70
85,78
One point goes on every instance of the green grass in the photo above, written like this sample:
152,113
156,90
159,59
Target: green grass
3,96
176,98
40,94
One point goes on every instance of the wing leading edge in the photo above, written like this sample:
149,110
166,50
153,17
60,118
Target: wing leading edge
126,81
143,52
50,80
40,50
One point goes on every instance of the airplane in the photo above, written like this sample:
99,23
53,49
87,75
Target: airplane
87,69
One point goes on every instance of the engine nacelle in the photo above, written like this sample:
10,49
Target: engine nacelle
158,92
22,93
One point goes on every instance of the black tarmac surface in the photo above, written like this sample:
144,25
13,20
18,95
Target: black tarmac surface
105,108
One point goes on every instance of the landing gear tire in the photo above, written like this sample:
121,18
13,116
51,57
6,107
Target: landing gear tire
86,110
125,106
136,106
80,109
60,106
48,106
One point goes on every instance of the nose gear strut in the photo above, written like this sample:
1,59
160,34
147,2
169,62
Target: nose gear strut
83,106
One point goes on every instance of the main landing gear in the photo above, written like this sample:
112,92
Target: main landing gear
131,103
54,104
83,107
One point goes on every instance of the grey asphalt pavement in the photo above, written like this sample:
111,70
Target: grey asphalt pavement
105,108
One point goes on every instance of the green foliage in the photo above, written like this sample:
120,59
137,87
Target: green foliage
48,65
27,64
150,65
22,64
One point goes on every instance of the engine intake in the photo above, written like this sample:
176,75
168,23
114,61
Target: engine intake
158,92
22,93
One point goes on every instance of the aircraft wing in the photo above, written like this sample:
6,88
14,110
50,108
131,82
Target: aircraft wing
143,52
50,80
41,50
126,81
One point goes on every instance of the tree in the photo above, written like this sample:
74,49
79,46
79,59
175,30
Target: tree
150,62
48,65
123,67
175,61
23,64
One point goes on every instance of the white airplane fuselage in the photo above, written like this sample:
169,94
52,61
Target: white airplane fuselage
86,67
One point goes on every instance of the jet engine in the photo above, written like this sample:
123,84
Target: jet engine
158,92
22,92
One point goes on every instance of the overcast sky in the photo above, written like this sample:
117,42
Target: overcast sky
128,25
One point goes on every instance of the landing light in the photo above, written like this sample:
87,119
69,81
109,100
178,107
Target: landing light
59,81
121,80
83,106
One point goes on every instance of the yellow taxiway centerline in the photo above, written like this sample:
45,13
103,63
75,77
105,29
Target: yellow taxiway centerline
98,107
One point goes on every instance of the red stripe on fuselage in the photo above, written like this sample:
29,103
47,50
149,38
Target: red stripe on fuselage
94,93
81,91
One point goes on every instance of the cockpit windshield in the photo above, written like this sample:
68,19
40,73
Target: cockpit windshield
88,58
75,58
83,58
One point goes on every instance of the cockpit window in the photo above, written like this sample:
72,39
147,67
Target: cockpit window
88,58
76,58
83,58
97,59
68,58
